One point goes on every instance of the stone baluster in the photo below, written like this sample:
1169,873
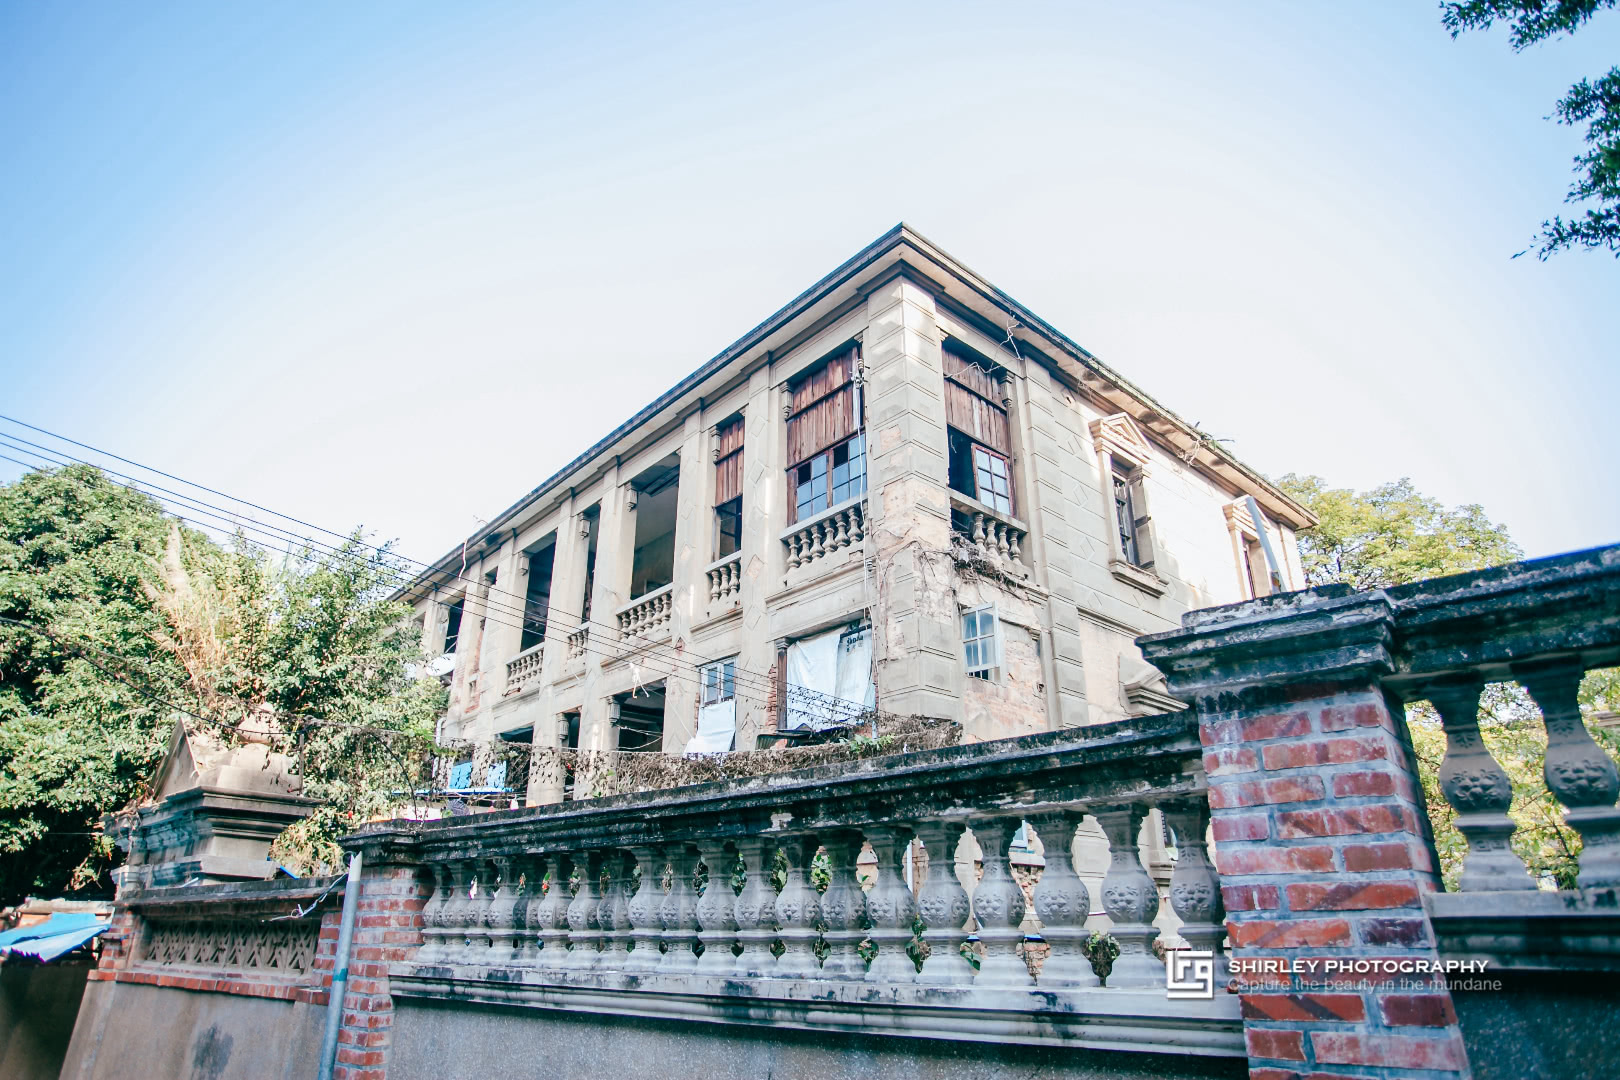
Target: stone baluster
998,906
943,906
1195,888
1577,771
457,912
1062,901
1131,900
891,908
612,914
584,932
755,908
526,911
498,926
1014,539
843,906
642,911
978,538
479,943
798,910
678,914
552,915
1477,788
433,912
717,911
793,551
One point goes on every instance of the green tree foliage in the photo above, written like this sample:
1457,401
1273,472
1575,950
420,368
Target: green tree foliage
1393,535
148,618
1595,103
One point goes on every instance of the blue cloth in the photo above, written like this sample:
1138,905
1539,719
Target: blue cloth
461,776
56,935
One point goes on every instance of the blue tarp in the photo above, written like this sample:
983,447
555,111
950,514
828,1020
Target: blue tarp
56,935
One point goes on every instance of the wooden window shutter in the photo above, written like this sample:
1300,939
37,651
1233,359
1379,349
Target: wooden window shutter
973,404
1143,523
728,468
822,411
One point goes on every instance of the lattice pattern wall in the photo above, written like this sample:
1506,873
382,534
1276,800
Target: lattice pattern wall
286,947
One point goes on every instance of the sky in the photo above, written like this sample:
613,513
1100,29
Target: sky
393,264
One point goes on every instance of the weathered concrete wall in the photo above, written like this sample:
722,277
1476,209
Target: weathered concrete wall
129,1029
1540,1026
453,1041
38,1005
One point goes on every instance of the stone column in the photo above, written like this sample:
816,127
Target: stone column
694,545
764,518
567,594
1321,837
917,637
615,555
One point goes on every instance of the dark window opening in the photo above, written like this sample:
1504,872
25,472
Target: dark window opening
640,724
980,473
1131,517
729,518
452,630
590,568
537,597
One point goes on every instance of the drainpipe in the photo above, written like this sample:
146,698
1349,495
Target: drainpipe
340,970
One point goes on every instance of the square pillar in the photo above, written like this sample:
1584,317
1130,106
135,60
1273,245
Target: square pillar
1321,837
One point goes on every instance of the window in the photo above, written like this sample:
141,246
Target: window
728,473
452,630
979,439
717,709
825,451
1131,518
829,478
981,643
719,682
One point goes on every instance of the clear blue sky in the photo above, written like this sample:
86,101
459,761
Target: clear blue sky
392,264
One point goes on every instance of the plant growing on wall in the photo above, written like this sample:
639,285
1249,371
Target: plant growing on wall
1102,950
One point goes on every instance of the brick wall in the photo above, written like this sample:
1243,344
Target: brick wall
388,928
1324,851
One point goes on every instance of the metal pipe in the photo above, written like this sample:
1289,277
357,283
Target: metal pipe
340,970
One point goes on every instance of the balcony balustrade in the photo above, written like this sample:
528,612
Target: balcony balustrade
832,530
983,535
647,614
523,670
725,577
577,641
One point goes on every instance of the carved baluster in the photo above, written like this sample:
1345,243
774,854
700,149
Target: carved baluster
1477,788
943,906
755,908
433,930
613,916
678,914
553,914
733,576
1002,547
456,912
841,530
642,911
1195,888
716,911
998,906
891,908
820,530
480,944
1131,900
526,913
584,932
798,909
1577,770
1015,539
843,906
978,546
860,523
498,914
1062,901
793,551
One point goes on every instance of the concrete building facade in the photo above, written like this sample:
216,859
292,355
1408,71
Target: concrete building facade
902,491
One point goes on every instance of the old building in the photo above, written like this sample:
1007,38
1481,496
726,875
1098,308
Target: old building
903,489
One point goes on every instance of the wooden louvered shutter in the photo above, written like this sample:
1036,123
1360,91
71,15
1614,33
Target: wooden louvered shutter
728,468
973,404
822,411
1142,523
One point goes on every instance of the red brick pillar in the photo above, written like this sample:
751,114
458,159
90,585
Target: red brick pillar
1321,837
388,928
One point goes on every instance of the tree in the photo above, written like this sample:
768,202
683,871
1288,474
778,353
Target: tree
1393,535
121,619
1595,103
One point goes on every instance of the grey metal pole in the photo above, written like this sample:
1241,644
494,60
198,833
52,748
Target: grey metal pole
340,969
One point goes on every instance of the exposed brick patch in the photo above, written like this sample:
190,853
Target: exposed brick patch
1348,785
1289,934
1301,755
1417,1010
1269,1043
1231,827
1363,858
1226,760
1260,792
1352,896
1394,932
1251,897
1342,1007
1341,821
1276,860
1255,728
1387,1051
1345,717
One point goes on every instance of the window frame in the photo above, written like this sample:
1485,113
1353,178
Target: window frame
826,460
719,677
990,667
